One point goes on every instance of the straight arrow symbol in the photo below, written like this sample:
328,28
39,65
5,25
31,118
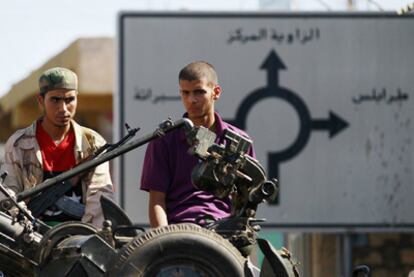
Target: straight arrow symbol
334,124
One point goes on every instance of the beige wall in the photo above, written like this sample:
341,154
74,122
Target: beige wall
1,155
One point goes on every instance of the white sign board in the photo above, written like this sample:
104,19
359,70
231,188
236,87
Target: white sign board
328,100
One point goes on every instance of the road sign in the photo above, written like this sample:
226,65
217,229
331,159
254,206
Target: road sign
327,99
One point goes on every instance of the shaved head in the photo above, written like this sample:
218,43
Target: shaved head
198,70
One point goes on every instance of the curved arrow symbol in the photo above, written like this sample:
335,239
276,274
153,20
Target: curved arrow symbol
334,124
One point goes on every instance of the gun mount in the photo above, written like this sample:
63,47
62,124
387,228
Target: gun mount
122,249
226,171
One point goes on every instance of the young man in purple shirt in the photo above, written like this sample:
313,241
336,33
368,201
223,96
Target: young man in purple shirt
166,172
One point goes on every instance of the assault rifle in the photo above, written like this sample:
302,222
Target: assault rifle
55,195
163,128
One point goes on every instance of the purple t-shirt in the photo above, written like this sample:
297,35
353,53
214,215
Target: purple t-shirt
167,168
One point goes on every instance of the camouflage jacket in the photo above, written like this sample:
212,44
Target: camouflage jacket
23,163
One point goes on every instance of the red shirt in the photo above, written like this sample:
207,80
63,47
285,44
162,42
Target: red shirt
56,158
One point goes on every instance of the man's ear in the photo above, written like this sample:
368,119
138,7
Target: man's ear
40,101
217,92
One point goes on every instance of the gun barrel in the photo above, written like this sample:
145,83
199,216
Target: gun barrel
165,127
265,191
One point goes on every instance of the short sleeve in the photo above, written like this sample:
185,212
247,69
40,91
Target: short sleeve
155,171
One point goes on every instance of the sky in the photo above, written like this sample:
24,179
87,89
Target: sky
31,32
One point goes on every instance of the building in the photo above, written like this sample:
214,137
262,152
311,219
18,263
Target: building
93,60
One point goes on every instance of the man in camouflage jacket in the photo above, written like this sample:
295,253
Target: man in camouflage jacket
29,160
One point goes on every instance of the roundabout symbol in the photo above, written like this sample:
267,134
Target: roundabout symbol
334,124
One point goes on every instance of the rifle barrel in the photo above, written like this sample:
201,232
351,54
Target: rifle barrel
164,127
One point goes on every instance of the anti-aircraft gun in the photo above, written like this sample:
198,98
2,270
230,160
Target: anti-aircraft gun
220,248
